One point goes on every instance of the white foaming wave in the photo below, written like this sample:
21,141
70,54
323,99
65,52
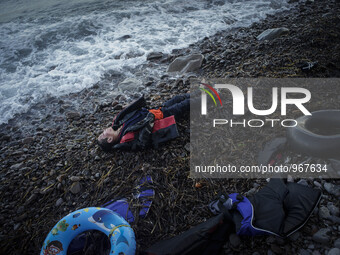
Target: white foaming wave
53,59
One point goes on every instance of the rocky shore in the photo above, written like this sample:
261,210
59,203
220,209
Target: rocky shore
50,163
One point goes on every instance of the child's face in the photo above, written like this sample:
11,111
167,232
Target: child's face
110,134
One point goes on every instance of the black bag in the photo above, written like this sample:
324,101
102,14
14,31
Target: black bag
205,239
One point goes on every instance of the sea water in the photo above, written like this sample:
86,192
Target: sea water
53,48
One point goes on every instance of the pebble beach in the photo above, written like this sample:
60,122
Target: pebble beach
51,165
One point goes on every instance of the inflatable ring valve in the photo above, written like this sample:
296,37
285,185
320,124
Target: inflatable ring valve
119,232
303,140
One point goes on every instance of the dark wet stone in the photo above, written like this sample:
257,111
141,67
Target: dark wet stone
271,34
270,252
276,249
21,217
323,212
280,241
16,226
334,251
303,182
117,107
6,138
73,115
337,243
124,37
75,178
186,64
154,55
59,202
129,84
332,189
333,209
75,188
317,184
21,209
322,236
304,252
334,219
17,167
28,140
31,199
234,240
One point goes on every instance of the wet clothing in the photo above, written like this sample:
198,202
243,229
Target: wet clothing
279,208
176,106
142,128
157,113
137,117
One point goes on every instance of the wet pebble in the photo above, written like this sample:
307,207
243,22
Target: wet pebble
22,217
333,209
234,240
271,34
332,189
311,246
280,241
290,178
337,243
28,140
317,184
323,212
16,226
334,251
73,115
322,236
334,219
276,249
269,252
75,187
31,199
154,55
59,202
75,178
303,182
270,239
16,167
304,252
21,209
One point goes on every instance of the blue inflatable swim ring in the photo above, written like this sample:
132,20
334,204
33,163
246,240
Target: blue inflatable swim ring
120,233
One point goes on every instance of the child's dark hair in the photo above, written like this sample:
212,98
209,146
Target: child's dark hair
105,145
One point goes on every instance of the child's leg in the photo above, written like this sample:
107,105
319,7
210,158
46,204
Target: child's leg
175,100
177,106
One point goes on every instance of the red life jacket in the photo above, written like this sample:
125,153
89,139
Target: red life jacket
163,130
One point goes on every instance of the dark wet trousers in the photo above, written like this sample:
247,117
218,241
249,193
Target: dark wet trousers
177,106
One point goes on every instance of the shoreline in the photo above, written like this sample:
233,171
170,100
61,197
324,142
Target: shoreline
36,168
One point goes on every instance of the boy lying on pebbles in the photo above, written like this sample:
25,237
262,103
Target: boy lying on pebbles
135,127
